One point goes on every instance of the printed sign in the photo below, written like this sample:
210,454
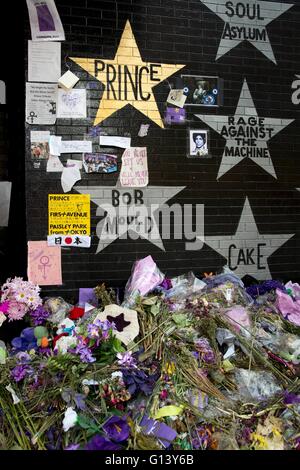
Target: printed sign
247,251
41,103
246,134
246,20
80,241
45,22
134,171
127,79
69,214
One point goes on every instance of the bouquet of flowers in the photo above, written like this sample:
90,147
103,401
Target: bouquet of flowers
18,297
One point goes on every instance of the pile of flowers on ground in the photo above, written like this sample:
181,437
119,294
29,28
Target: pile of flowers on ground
182,363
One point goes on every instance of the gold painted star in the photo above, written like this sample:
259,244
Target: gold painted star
127,79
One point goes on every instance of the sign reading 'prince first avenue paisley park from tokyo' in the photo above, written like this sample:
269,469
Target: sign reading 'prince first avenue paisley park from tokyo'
246,134
127,79
247,251
246,20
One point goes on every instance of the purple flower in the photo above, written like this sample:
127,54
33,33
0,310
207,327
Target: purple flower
72,447
291,398
166,284
138,381
126,359
19,372
117,429
101,443
39,315
206,352
84,351
26,341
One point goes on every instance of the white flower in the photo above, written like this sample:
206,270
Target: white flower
2,318
70,419
64,343
117,374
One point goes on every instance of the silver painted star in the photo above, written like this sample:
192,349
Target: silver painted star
247,251
242,126
246,25
124,211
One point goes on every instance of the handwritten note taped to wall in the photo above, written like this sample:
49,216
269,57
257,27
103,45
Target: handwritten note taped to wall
134,171
71,104
44,264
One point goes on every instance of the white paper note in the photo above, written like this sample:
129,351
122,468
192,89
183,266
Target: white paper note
77,163
134,171
115,141
41,103
76,146
54,164
54,145
69,177
45,22
71,104
5,192
143,130
44,62
39,136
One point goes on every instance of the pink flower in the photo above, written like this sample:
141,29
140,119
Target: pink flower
16,311
4,306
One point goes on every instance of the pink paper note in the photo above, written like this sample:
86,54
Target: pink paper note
44,264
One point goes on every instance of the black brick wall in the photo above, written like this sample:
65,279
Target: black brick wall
183,32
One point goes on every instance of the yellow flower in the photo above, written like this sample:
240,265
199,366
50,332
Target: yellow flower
169,368
261,442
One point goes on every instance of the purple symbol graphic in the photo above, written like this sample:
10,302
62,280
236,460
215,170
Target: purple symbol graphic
44,263
46,22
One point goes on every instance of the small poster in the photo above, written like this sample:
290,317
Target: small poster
100,163
69,214
198,143
71,104
202,90
45,22
44,264
44,61
41,103
134,171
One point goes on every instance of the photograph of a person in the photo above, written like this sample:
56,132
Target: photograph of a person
202,90
40,150
198,143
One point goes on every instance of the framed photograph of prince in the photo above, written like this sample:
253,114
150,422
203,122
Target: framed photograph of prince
198,143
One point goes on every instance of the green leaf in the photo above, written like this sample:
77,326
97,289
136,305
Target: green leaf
117,345
84,422
150,301
155,309
181,320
